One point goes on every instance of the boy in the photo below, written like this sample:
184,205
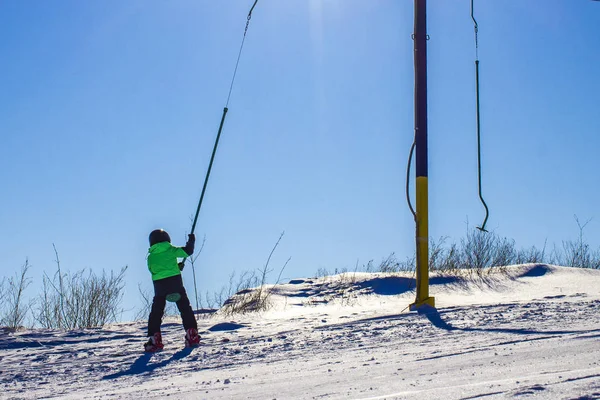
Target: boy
166,276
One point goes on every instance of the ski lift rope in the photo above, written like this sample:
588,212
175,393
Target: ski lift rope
214,151
478,120
240,52
222,118
412,148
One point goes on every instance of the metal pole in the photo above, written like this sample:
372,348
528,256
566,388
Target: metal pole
210,164
422,234
212,159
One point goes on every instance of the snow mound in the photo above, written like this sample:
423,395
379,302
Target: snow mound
516,332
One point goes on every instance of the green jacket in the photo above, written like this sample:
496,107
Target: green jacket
162,260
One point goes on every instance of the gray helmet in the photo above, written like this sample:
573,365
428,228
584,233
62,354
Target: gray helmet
158,236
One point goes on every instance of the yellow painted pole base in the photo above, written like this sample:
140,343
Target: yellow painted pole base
430,301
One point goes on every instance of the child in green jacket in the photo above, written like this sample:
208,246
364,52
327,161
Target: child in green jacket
168,285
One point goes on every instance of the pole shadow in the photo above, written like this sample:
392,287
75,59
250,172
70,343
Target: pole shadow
434,316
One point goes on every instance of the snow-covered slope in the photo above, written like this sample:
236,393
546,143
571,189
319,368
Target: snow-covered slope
532,331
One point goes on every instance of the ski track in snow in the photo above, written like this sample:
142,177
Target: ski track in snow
545,343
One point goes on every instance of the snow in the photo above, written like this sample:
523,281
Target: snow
530,331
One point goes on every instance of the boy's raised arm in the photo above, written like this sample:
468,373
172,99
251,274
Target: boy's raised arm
189,246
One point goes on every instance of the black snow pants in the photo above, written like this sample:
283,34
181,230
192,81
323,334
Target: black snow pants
162,288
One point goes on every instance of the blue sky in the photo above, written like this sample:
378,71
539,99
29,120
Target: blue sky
109,109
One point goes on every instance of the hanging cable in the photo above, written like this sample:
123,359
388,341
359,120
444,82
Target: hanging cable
223,118
240,52
410,155
476,27
214,151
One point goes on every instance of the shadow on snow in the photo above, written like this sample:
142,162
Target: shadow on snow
536,271
9,342
141,365
434,316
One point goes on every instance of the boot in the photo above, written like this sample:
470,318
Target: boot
192,339
154,343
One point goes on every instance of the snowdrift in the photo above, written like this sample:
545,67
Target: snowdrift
521,331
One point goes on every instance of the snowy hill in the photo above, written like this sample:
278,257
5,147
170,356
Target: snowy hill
531,331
